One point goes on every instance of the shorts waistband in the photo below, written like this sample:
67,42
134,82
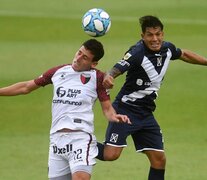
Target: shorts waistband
68,130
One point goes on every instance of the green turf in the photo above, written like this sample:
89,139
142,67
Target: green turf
36,35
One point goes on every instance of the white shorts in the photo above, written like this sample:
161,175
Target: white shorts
71,152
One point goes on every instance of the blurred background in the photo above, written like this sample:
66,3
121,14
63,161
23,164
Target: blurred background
37,35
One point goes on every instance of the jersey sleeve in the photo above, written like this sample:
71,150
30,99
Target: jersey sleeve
176,52
103,94
46,77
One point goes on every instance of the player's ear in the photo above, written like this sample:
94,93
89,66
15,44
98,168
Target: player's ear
94,64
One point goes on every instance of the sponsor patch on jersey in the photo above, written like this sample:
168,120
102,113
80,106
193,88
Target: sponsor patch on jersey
77,121
62,76
123,63
127,56
85,78
139,82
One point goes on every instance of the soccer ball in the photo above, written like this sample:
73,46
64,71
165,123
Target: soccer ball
96,22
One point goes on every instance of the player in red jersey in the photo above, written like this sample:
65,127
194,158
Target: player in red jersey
73,146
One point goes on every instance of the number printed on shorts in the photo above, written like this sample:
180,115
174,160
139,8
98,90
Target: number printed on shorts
77,154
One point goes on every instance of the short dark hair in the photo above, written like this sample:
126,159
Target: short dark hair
150,21
95,47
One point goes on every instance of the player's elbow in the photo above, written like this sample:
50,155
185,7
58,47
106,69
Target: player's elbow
29,87
25,91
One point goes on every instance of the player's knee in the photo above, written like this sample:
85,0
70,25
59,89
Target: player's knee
81,175
162,161
157,159
159,162
111,156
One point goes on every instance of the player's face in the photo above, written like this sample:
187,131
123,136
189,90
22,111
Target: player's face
153,38
83,60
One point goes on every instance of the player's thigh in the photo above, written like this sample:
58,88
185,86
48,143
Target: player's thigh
57,165
149,137
116,134
84,150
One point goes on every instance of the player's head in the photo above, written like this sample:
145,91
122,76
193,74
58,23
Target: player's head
87,57
95,47
150,21
152,32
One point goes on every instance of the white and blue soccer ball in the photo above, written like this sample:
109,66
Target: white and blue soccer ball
96,22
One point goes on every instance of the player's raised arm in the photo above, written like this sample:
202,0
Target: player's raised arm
111,114
19,88
109,78
193,58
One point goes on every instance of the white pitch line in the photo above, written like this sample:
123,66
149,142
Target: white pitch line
116,18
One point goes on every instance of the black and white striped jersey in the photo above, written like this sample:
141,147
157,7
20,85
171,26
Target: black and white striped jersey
145,72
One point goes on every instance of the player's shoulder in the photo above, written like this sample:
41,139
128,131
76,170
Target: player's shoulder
170,45
136,50
99,73
176,52
167,44
55,68
138,47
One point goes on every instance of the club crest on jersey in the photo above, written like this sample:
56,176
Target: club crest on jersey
114,137
159,61
85,78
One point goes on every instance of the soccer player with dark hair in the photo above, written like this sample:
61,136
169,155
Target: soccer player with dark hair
73,145
146,63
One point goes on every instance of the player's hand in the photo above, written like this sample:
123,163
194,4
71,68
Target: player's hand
122,119
108,81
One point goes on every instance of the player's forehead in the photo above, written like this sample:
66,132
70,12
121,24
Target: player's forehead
86,52
153,30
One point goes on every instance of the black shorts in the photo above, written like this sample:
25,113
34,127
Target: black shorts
144,130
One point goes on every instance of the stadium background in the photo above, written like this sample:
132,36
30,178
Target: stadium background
37,35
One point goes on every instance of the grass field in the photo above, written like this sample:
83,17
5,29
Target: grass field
37,35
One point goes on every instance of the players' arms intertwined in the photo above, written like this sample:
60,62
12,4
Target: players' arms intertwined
19,88
109,78
193,58
111,114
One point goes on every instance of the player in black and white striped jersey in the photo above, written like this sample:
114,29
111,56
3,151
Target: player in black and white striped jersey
146,63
